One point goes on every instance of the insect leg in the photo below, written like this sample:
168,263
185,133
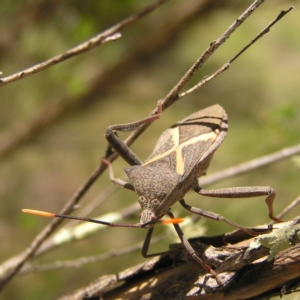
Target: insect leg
119,146
244,192
146,244
117,181
216,217
191,250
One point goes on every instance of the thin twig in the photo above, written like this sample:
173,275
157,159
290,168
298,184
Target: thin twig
251,165
226,66
289,208
173,94
79,262
108,35
263,32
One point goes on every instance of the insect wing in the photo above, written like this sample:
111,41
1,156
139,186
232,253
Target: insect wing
211,126
187,143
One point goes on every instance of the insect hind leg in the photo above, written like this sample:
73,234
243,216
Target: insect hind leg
244,192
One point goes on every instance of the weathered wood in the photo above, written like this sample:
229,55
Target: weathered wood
245,274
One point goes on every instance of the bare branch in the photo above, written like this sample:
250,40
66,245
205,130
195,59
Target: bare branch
263,32
251,165
173,94
226,66
289,207
108,35
79,262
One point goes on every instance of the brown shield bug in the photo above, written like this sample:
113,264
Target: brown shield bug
182,154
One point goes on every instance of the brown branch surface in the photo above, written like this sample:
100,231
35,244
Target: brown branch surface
245,274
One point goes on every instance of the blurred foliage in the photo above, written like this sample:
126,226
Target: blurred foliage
259,92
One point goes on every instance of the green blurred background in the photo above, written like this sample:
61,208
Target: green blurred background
121,82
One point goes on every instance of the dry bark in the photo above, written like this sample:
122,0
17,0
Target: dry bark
245,273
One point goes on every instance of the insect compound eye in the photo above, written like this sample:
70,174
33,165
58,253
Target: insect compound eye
143,201
155,203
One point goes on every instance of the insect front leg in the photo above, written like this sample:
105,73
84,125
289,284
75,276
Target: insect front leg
117,181
119,146
146,245
185,243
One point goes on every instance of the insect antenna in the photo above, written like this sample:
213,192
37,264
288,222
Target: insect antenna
132,225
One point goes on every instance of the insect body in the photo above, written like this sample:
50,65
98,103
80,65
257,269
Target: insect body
181,155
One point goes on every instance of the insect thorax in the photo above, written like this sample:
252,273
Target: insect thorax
156,188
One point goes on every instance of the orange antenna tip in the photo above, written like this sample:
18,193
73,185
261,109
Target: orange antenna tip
173,221
38,213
